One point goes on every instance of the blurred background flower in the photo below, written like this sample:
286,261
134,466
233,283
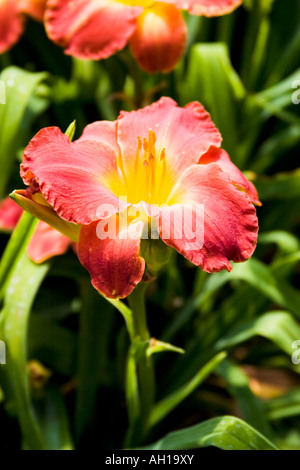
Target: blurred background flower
13,17
156,31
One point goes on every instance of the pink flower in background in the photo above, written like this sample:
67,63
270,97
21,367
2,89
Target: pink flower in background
45,243
156,31
10,214
13,16
146,166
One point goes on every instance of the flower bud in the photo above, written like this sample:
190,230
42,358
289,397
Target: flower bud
160,37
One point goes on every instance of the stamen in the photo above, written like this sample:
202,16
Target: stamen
152,140
137,155
163,154
145,145
147,179
152,170
140,143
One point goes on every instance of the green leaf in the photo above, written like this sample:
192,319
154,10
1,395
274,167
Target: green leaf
96,319
213,284
53,420
26,98
279,327
285,265
257,32
52,344
227,433
20,281
274,148
283,88
258,109
156,346
281,186
18,240
284,407
250,406
287,59
24,283
286,241
211,79
165,406
275,289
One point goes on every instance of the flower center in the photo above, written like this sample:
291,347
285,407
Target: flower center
148,178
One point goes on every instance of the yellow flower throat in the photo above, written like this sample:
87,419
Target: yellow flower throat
147,179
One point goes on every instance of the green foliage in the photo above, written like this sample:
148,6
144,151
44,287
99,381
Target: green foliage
227,433
205,330
26,97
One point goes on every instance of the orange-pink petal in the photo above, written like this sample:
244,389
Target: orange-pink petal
185,133
33,8
46,242
11,24
114,263
93,29
160,38
219,222
206,7
72,175
10,214
221,157
104,132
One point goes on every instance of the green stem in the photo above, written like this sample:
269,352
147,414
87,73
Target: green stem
137,304
141,386
126,313
140,383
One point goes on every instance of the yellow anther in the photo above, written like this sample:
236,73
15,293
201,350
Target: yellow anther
145,144
137,156
140,143
152,140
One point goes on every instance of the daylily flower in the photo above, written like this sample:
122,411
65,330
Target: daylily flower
149,165
156,31
12,19
45,242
